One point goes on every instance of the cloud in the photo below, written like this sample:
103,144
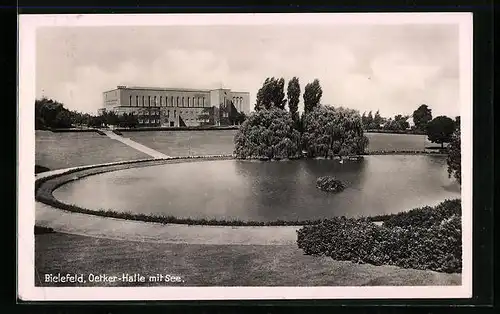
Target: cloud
391,69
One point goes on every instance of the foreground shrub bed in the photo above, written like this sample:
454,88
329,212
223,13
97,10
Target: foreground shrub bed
426,217
427,238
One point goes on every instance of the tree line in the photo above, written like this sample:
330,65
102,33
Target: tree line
274,131
50,114
422,118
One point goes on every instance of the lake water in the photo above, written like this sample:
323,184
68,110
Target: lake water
266,191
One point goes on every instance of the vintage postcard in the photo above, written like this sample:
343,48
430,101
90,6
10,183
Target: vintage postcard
245,156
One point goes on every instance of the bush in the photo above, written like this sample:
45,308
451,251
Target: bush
267,134
329,184
432,246
427,216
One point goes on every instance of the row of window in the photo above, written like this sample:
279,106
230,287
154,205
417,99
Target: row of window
157,113
237,101
167,101
147,121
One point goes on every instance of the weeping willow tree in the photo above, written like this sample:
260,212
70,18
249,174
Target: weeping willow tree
267,134
330,132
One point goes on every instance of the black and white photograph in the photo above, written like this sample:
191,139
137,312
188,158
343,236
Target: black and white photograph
245,156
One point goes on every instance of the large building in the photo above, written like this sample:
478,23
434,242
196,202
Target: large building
173,107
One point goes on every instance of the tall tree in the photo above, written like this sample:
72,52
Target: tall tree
454,158
312,96
440,129
369,120
293,95
364,121
271,94
377,120
421,117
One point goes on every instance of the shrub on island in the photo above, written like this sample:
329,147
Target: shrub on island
329,184
405,242
267,134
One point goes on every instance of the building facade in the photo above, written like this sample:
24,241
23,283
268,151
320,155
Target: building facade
174,107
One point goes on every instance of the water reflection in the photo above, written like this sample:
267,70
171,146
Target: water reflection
264,191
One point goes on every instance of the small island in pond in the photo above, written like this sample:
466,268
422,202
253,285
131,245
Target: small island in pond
330,184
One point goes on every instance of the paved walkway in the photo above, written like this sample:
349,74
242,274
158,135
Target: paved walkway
120,229
149,151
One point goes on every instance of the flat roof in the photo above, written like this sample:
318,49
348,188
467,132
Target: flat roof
170,89
167,88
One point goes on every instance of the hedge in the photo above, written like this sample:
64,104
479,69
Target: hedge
427,216
406,241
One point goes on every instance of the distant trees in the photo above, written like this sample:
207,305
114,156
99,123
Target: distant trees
271,94
371,122
267,133
440,130
332,131
312,96
128,120
111,118
51,114
398,123
421,117
454,158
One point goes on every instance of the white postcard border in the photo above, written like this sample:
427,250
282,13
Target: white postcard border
27,291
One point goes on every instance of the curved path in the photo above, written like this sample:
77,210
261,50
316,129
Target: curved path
120,229
146,150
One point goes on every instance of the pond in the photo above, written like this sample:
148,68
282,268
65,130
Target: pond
267,191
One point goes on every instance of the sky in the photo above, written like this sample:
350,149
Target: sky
390,68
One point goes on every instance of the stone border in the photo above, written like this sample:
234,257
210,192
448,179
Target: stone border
47,182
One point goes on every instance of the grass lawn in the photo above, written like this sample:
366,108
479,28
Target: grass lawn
390,142
183,143
61,150
221,142
214,265
71,149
